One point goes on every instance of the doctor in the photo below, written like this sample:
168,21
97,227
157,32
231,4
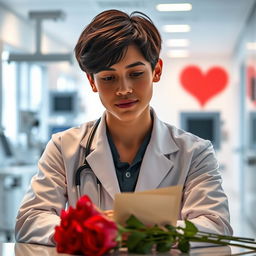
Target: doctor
131,149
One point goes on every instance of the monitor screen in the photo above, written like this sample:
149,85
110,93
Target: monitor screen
63,103
203,124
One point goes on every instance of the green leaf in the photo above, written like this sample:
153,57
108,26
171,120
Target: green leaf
119,237
133,222
190,229
134,239
122,229
170,227
184,245
142,248
164,246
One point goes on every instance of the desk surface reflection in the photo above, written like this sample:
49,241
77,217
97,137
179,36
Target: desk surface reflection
19,249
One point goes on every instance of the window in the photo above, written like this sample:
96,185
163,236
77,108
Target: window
9,104
35,87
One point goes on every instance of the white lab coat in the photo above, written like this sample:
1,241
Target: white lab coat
172,157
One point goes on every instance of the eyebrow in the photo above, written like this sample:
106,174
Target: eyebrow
137,63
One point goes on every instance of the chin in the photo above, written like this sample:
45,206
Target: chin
129,115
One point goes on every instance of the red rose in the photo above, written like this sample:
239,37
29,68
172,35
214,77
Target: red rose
85,208
68,237
67,217
85,230
98,236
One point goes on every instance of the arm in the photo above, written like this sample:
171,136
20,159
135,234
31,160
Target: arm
41,206
204,202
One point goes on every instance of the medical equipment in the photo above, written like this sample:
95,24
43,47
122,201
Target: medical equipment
63,103
87,168
14,181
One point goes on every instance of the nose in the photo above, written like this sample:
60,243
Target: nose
124,88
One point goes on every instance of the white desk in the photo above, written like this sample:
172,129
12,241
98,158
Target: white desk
18,249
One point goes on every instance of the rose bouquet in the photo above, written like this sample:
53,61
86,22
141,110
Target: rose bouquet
85,230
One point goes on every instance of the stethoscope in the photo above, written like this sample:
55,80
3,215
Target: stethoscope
87,168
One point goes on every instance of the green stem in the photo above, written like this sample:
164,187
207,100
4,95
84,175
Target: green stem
220,238
206,240
227,237
156,234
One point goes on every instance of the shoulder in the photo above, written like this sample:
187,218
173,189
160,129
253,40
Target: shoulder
72,136
187,141
170,138
198,152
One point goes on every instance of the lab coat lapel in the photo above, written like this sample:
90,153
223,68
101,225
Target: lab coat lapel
101,162
157,162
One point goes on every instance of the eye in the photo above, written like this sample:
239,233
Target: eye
108,78
136,74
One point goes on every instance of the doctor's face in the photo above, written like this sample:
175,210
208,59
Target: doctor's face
125,88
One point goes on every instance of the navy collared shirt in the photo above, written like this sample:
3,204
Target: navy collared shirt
127,174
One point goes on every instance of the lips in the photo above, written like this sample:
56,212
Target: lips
126,103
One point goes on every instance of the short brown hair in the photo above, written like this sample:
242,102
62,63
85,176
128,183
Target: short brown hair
105,40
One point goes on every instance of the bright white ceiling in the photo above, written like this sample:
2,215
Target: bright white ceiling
215,24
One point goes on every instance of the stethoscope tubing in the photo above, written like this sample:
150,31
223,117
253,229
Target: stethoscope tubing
86,167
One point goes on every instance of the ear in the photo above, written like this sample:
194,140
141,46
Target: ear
92,83
158,70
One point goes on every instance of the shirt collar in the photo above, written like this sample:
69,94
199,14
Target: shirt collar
139,155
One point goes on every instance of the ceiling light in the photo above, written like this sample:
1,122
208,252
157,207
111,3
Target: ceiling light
251,46
176,28
177,42
178,53
174,7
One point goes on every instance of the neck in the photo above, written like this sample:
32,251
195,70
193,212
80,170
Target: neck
130,133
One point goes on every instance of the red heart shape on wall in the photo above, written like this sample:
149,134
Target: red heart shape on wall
203,86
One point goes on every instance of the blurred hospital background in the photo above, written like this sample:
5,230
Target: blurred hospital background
208,87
